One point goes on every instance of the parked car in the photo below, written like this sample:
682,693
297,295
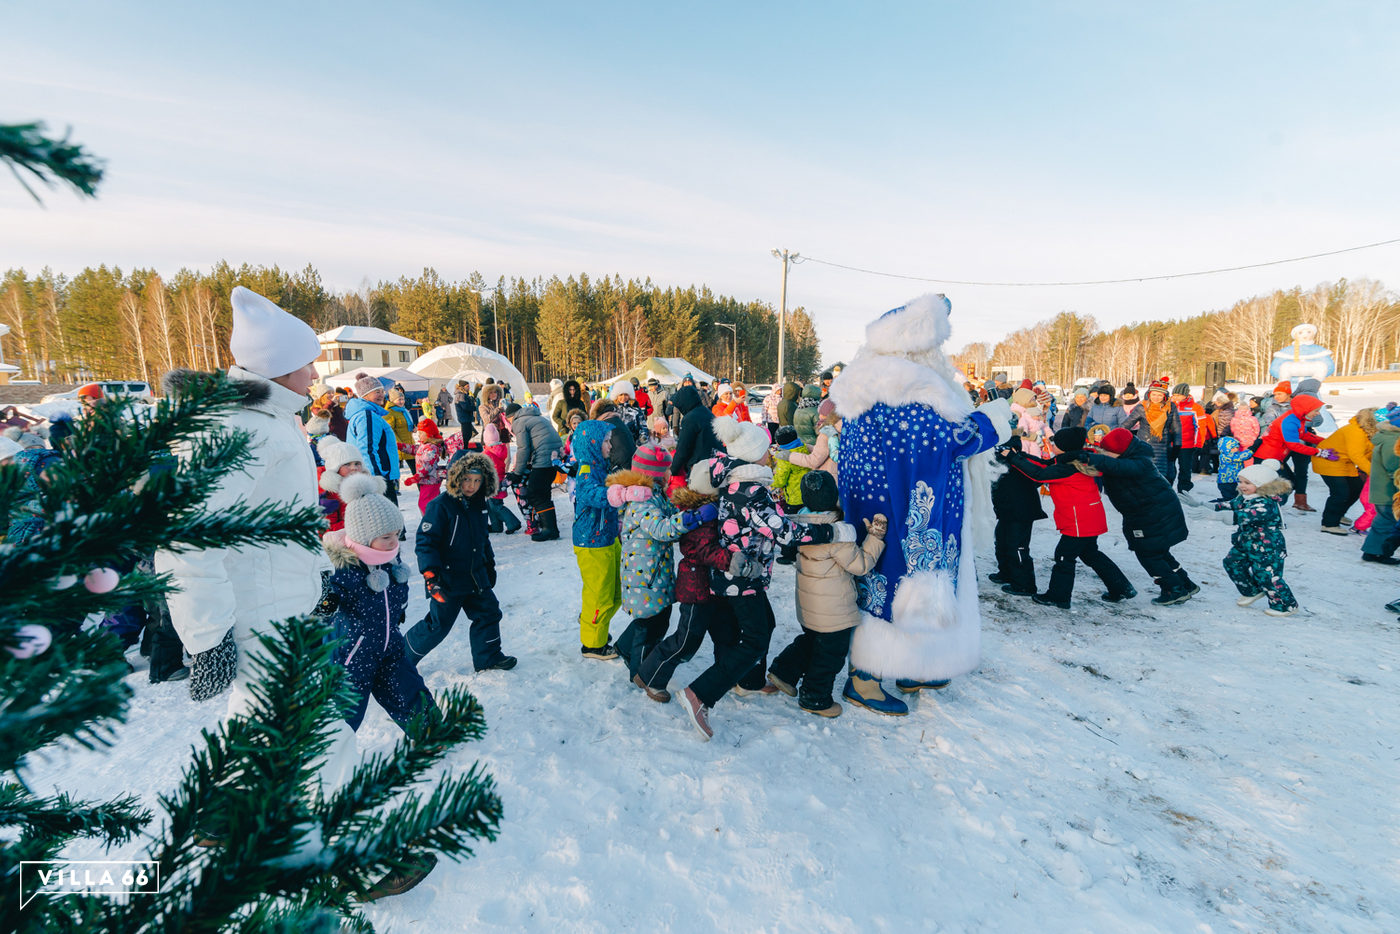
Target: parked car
134,389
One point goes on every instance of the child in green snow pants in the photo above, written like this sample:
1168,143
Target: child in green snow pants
602,591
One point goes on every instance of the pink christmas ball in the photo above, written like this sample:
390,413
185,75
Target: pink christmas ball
101,580
33,640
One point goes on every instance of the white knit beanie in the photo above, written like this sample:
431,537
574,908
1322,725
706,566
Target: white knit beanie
1261,472
335,454
267,340
368,514
700,479
724,389
743,440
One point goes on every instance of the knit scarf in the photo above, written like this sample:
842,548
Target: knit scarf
1156,415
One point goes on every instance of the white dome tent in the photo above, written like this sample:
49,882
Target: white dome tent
451,362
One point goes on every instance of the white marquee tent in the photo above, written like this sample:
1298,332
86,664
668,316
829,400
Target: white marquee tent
451,362
410,381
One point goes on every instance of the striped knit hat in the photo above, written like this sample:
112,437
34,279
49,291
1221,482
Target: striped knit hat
652,460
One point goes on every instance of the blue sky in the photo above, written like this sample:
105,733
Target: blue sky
988,141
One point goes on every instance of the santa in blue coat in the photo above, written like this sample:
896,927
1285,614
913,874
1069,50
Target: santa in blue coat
910,446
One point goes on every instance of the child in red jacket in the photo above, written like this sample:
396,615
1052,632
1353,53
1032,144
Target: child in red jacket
1079,516
429,462
339,460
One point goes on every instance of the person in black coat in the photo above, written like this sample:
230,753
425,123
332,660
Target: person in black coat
459,568
1152,518
464,409
696,439
1016,502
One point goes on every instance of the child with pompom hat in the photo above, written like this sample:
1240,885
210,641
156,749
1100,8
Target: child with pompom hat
649,524
429,462
1257,548
369,590
338,461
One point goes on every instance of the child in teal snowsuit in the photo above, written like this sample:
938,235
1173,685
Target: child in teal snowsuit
649,525
1257,549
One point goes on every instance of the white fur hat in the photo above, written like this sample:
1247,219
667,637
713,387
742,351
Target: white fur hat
267,340
743,440
620,388
918,327
335,454
724,389
1261,473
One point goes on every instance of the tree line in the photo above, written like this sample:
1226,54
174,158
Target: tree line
103,323
1358,320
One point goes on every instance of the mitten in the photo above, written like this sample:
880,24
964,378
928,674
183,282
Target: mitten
213,669
431,585
739,565
617,496
1329,454
877,526
694,518
329,602
410,480
637,494
329,506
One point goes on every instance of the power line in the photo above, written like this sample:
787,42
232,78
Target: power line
1175,275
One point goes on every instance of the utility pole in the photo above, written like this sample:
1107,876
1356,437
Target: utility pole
734,352
787,259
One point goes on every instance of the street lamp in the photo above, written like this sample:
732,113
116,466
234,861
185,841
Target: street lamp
787,259
733,354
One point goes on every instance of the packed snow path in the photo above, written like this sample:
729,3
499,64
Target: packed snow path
1111,768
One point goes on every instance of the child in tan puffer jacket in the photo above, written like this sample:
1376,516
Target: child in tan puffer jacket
826,601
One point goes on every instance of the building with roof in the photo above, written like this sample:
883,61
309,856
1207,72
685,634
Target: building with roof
349,347
7,371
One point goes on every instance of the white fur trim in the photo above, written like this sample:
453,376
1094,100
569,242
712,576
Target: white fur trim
999,411
930,638
896,380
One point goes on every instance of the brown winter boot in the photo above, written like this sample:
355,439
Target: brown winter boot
1300,503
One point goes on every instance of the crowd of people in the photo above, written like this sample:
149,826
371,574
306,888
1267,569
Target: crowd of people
739,487
1134,449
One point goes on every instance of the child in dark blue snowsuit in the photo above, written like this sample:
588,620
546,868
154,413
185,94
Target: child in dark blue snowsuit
459,568
369,590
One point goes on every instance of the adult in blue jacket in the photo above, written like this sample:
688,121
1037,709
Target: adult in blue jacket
1103,409
370,432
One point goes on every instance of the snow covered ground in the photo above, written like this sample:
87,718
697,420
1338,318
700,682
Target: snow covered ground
1111,768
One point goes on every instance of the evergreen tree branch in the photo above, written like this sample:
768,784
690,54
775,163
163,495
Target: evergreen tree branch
25,146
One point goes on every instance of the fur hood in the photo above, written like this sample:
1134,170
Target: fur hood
342,557
250,392
631,478
684,498
1279,487
490,483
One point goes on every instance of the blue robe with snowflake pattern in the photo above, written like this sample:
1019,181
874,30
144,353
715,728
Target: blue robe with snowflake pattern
906,463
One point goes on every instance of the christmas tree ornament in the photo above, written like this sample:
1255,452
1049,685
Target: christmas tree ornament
64,581
32,639
101,580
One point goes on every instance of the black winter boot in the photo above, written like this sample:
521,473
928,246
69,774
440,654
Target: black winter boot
546,525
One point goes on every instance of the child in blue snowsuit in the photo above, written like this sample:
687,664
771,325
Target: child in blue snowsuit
1257,549
369,590
1233,457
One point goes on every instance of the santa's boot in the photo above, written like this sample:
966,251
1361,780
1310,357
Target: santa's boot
910,686
1300,503
864,690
